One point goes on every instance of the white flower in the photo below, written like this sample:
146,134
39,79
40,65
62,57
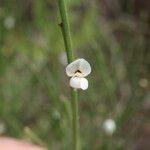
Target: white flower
109,126
77,70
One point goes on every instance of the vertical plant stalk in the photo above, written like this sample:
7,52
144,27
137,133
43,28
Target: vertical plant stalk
66,30
74,119
68,45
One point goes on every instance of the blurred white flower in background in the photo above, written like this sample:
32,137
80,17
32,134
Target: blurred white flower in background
77,70
62,58
109,126
2,128
9,22
143,82
56,114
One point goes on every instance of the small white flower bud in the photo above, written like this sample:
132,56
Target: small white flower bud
109,126
79,83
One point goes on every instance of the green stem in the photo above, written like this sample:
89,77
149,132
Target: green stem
66,30
68,45
75,119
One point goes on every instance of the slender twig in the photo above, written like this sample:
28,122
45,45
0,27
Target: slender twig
75,119
66,30
68,45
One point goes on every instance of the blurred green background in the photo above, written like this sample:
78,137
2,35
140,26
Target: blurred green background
114,36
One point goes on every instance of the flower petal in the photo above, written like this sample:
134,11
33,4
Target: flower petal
80,65
79,83
75,82
72,68
83,83
84,67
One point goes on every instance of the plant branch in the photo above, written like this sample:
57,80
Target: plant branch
68,45
66,30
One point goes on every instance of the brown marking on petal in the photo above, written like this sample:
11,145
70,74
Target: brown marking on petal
78,71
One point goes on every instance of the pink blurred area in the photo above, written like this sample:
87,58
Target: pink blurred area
15,144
